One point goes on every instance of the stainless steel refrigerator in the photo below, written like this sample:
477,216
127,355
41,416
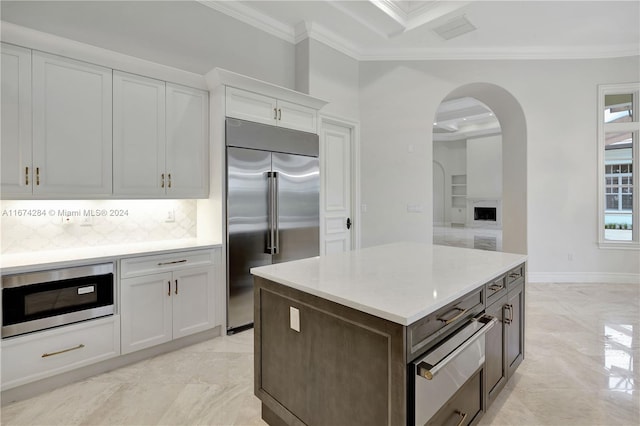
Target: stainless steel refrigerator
273,206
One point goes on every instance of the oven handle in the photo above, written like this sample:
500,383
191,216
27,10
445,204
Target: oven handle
428,371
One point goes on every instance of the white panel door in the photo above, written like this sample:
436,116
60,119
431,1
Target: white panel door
250,106
17,173
298,117
146,311
138,135
336,143
193,301
71,127
187,161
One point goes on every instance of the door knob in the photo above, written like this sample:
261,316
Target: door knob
348,223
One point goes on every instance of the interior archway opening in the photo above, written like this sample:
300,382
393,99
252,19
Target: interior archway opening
479,140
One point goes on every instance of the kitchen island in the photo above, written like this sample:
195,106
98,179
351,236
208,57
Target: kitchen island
338,337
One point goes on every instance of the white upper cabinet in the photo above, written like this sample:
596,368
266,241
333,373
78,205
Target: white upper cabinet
71,128
17,171
138,135
255,107
187,164
160,139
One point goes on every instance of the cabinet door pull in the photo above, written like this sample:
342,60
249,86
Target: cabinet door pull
37,175
172,262
510,313
26,175
280,114
506,319
463,419
169,288
80,346
495,287
275,113
162,180
450,320
176,286
169,184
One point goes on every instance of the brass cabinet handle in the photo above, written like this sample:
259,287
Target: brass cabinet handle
26,175
37,175
464,417
450,320
176,286
169,288
169,185
162,177
80,346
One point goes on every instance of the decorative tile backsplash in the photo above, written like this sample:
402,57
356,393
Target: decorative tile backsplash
60,224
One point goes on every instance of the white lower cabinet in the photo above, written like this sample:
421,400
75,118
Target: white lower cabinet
166,297
39,355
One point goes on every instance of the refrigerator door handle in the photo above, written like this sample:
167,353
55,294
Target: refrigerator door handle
270,208
276,215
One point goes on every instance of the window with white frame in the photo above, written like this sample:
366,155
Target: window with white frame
618,156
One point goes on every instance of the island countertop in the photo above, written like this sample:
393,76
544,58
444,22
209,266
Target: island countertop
400,282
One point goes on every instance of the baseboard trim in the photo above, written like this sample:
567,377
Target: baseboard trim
583,277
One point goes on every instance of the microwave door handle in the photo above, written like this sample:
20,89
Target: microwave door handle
428,371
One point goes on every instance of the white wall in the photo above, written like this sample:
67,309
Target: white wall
328,74
484,167
398,103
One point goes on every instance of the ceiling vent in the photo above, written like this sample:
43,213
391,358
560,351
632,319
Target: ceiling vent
454,28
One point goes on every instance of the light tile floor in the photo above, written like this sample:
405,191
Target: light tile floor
479,238
581,368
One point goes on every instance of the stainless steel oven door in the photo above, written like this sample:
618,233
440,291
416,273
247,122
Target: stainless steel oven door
444,369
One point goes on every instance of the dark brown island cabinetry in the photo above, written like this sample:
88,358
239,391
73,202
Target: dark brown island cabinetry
505,344
318,362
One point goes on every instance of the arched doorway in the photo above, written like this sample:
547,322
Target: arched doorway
514,159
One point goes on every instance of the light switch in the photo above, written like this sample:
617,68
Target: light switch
294,319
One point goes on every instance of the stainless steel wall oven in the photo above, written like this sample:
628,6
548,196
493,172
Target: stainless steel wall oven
39,300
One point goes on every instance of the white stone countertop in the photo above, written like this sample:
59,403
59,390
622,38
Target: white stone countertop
51,259
400,282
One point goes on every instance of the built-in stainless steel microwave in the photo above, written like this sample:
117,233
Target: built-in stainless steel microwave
39,300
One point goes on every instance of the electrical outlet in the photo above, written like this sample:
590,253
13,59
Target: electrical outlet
294,319
171,216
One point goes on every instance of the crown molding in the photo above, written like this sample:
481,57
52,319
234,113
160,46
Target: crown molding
314,31
252,17
529,53
319,33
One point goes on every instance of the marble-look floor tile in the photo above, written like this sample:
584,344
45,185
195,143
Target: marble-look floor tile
582,352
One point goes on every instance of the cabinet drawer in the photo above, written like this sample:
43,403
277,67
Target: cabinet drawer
515,274
38,355
145,265
496,289
464,407
440,323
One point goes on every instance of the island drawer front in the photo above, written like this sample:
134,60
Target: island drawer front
42,354
146,265
464,407
432,328
496,289
515,274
